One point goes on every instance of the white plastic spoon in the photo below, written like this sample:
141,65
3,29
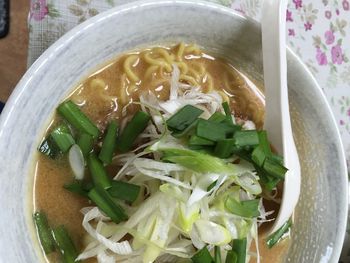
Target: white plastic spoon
277,118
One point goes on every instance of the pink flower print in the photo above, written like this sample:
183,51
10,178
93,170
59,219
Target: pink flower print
328,14
329,37
308,26
346,5
298,3
348,112
337,12
337,55
289,16
321,57
341,122
291,32
39,10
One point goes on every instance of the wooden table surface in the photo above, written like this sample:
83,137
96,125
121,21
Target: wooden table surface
13,48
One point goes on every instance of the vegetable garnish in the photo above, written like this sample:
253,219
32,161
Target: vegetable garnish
77,118
124,191
239,247
65,245
202,256
104,201
85,143
183,118
132,130
44,232
108,145
98,172
275,237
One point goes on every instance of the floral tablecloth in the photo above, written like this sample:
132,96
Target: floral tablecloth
318,31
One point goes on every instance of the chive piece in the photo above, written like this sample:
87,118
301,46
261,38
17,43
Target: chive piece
62,137
132,130
224,148
85,143
246,138
77,118
188,131
275,237
195,140
183,118
124,191
44,232
78,188
217,117
227,112
105,202
98,172
264,143
49,148
277,158
65,244
109,142
217,253
231,257
267,181
274,168
212,185
214,131
258,156
239,246
202,256
248,208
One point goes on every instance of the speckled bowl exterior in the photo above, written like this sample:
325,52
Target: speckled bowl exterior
320,218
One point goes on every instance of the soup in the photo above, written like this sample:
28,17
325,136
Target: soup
158,98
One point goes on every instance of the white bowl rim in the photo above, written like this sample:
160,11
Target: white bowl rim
20,88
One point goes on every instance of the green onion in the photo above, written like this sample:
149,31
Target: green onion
124,191
227,112
188,131
109,142
246,138
274,168
231,257
78,188
183,118
44,232
248,208
224,148
258,156
214,131
85,143
77,118
98,172
65,244
217,254
49,148
62,137
267,181
264,143
277,158
202,256
132,130
239,247
105,202
217,117
195,140
212,185
278,235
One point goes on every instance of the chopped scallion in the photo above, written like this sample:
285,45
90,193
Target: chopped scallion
231,257
86,143
49,148
217,254
227,112
44,232
275,237
65,244
217,117
214,131
98,172
77,118
132,130
258,156
274,168
62,137
183,118
224,148
109,142
195,140
247,208
264,143
124,191
239,246
246,138
202,256
105,202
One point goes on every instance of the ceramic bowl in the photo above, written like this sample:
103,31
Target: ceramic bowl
320,219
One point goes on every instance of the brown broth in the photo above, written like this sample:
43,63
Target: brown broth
103,104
